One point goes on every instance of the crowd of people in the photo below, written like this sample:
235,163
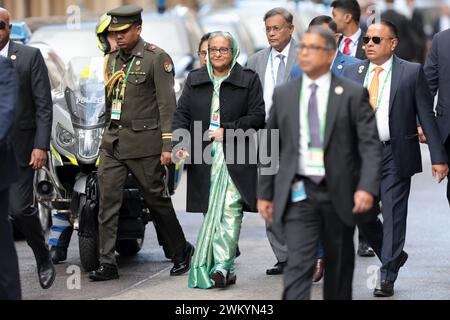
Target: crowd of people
350,104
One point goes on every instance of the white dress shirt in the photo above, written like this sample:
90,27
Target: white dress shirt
4,51
353,45
322,93
384,94
271,75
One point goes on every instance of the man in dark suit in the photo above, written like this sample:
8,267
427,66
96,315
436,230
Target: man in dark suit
9,268
399,94
31,141
329,174
346,14
406,49
437,72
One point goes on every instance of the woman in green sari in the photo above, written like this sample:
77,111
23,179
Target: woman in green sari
223,97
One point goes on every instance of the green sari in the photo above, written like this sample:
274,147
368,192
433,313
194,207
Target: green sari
219,234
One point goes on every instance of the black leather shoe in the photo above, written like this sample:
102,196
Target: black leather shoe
385,290
58,254
402,259
46,273
364,250
278,268
104,273
219,280
231,278
183,264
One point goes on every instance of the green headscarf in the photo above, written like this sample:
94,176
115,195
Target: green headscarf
235,51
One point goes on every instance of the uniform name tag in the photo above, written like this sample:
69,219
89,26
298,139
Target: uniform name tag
116,109
215,122
298,192
314,164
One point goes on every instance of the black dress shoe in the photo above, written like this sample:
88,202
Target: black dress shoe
182,264
231,278
104,273
58,254
220,281
364,250
385,290
278,268
402,259
46,273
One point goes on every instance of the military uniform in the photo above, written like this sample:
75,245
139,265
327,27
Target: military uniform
136,134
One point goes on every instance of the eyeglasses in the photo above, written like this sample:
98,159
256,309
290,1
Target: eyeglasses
312,48
275,29
202,53
376,40
2,25
222,51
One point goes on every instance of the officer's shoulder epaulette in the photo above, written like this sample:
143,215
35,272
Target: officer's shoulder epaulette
152,48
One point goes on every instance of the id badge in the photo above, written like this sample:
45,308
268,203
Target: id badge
314,164
116,109
298,192
215,122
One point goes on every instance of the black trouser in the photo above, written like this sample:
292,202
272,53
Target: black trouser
26,217
388,238
149,173
9,267
304,224
447,148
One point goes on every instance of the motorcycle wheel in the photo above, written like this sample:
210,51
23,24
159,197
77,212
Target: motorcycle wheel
89,252
129,247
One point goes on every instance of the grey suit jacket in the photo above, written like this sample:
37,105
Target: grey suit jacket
351,145
258,62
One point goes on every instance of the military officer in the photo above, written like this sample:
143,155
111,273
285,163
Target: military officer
139,110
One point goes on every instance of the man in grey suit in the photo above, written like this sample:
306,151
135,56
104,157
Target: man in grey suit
330,162
274,65
30,138
9,268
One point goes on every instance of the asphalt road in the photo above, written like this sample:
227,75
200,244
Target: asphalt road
146,276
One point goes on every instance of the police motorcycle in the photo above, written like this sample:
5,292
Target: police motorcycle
67,186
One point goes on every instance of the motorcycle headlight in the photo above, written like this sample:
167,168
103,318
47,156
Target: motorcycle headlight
64,138
89,143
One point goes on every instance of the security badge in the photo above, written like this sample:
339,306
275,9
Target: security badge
340,67
168,66
13,57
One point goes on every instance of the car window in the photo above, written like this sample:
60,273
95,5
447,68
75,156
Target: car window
166,35
69,43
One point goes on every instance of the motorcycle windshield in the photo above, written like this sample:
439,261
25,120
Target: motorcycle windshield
84,91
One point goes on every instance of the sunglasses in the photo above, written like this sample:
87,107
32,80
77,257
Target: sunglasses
376,40
2,25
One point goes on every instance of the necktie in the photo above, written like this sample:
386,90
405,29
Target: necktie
347,42
374,87
281,70
314,125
